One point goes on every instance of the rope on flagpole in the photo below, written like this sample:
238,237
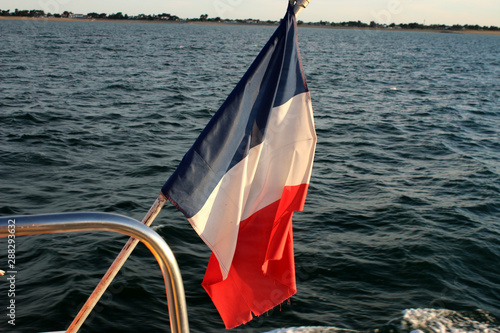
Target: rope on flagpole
114,268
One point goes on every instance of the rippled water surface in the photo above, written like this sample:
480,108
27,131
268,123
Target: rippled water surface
403,213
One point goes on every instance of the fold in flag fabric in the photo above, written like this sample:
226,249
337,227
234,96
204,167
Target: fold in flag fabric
245,175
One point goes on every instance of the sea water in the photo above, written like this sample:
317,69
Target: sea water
401,227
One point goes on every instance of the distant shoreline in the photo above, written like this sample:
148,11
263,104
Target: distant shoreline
305,25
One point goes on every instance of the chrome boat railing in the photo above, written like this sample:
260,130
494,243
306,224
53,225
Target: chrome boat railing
73,222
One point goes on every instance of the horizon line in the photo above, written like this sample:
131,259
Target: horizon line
204,17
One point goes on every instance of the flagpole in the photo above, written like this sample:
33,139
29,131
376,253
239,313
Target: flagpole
106,280
114,268
299,5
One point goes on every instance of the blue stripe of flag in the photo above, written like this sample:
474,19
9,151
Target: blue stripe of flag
240,123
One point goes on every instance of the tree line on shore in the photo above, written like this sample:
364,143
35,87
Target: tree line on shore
373,24
205,18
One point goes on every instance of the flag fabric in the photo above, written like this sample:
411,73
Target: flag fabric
245,175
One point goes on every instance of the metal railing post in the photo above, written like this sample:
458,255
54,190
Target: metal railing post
73,222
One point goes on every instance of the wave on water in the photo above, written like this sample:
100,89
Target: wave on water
421,321
311,329
442,321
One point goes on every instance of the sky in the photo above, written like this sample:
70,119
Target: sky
481,12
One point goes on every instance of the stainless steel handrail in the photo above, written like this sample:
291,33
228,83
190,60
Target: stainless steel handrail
73,222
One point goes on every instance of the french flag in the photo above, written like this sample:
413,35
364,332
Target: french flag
245,175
